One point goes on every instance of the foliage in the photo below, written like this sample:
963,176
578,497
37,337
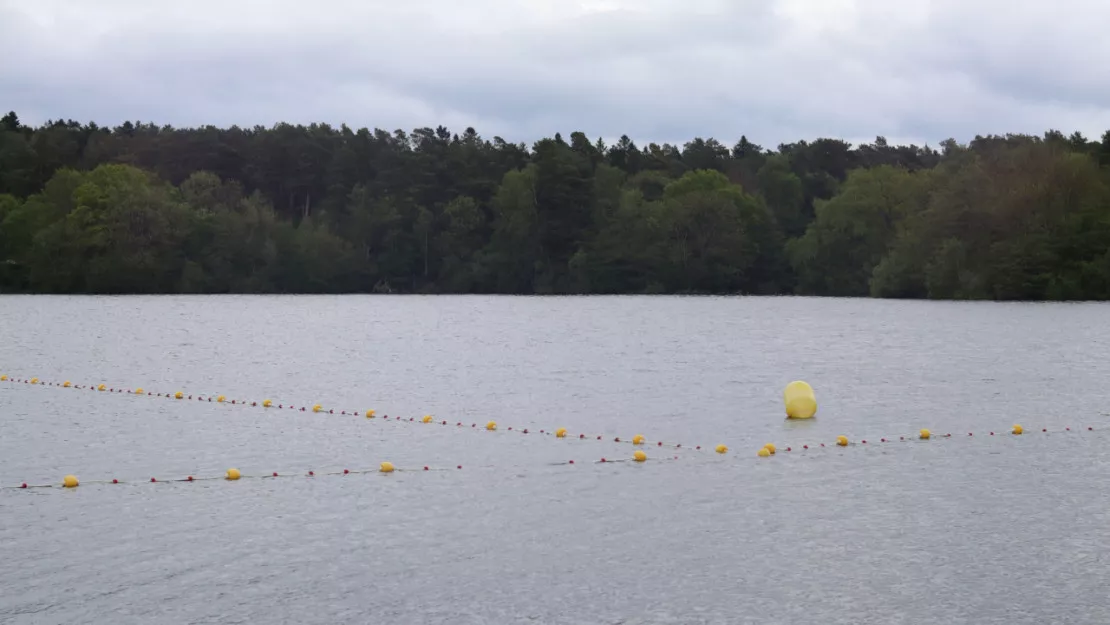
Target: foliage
146,209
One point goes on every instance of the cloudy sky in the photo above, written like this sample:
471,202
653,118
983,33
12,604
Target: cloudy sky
662,70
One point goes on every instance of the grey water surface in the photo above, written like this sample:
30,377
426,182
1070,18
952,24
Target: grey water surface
975,529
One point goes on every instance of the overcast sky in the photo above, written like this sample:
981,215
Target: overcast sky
662,70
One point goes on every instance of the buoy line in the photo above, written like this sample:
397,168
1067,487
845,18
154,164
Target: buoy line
922,436
802,396
489,426
234,474
639,456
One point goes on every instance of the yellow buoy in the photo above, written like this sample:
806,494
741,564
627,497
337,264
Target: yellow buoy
639,456
233,474
267,403
317,408
770,447
66,384
139,391
69,481
492,425
638,439
925,434
842,441
387,467
3,378
763,453
178,395
1018,429
369,414
101,387
722,449
561,433
34,380
427,418
220,399
799,400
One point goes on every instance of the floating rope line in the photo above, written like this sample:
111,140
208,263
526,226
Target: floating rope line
638,457
233,474
489,427
637,441
921,437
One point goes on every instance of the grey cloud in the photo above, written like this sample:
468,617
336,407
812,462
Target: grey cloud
662,70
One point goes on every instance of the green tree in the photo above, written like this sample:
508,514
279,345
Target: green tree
142,207
852,231
513,256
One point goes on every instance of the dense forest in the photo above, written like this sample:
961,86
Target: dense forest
142,208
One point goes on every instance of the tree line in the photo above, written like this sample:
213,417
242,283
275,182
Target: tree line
142,208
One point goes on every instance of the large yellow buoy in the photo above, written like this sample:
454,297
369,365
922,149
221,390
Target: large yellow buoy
491,426
842,441
3,378
427,418
69,481
220,399
639,456
101,387
770,447
267,403
638,439
369,414
387,467
178,395
561,433
34,380
317,408
66,384
722,449
1018,429
763,453
799,400
233,474
925,434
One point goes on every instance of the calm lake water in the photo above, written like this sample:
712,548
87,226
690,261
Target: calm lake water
975,530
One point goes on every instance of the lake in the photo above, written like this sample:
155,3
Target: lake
963,529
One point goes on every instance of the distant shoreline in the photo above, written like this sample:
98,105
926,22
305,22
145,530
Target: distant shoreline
314,209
